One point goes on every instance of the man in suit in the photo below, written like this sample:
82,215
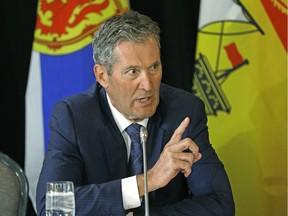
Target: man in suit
91,146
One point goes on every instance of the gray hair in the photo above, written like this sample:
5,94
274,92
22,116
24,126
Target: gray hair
130,26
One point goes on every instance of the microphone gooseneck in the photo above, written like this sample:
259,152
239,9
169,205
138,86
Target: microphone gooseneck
143,139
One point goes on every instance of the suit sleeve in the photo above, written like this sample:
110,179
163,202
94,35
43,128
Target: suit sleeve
63,161
209,188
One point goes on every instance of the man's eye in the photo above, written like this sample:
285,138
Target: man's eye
154,68
132,71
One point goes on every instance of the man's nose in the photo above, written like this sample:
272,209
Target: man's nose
145,81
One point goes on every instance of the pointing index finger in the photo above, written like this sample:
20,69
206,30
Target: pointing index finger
177,135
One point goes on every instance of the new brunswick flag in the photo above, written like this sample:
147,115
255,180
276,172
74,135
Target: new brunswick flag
241,74
61,65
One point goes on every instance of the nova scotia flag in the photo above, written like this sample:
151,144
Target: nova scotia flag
50,79
61,65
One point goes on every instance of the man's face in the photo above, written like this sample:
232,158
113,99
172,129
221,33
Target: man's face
134,85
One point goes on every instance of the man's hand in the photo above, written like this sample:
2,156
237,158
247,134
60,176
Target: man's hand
172,160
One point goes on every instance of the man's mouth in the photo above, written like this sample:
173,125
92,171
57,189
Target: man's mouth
144,99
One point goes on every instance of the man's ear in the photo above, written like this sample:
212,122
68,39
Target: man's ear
100,73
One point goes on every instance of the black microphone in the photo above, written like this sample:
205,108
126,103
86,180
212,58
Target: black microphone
143,139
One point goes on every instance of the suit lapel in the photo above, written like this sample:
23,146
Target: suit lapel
155,140
115,150
113,142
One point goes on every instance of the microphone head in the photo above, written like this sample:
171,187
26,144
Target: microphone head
143,134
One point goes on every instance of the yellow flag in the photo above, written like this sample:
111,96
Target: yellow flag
241,74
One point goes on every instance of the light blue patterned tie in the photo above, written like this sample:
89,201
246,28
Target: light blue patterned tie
136,154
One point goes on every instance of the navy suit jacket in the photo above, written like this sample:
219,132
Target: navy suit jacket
86,147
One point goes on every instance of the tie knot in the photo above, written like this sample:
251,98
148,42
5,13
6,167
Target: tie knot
133,131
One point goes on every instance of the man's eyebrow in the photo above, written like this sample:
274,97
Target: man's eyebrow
155,63
131,67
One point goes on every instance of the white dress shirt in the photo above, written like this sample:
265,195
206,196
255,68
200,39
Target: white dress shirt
130,192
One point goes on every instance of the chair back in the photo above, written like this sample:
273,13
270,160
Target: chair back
13,188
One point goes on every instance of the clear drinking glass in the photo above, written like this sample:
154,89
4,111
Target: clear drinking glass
60,199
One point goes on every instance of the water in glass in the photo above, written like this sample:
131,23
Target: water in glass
60,202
